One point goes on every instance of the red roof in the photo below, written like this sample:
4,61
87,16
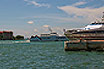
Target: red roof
7,31
1,32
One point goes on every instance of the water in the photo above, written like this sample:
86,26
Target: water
46,55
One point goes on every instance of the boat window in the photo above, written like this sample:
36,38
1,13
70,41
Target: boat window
102,23
93,24
97,24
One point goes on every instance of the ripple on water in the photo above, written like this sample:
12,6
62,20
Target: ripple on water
47,55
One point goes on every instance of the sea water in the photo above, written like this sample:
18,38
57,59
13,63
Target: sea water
46,55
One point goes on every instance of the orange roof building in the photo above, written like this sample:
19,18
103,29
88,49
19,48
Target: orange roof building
6,35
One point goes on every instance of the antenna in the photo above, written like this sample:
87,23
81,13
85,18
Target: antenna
64,30
50,29
103,17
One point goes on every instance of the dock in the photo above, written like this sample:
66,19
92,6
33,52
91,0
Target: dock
84,45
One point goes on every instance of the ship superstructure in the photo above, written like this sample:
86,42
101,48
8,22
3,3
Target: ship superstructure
94,30
53,36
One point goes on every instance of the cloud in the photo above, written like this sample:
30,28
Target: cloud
46,26
79,3
85,12
35,30
82,14
30,22
37,4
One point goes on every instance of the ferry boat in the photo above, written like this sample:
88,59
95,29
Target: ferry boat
94,31
53,36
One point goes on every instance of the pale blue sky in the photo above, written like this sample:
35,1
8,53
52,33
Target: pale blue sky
30,17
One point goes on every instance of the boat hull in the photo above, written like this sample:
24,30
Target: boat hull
86,34
94,45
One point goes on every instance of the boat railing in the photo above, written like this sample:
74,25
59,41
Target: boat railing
86,35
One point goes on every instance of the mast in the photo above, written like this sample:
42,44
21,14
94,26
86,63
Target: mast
103,17
50,29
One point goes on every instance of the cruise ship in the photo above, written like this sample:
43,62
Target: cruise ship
53,36
94,31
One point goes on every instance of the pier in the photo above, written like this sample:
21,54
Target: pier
84,45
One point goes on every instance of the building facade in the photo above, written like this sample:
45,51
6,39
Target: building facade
6,35
1,35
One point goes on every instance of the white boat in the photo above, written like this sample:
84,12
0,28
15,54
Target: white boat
53,36
94,30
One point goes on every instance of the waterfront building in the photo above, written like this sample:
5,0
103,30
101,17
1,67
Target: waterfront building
1,35
6,35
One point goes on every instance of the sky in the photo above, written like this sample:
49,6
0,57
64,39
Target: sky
33,17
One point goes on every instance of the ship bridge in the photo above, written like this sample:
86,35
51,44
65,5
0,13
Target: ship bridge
96,24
